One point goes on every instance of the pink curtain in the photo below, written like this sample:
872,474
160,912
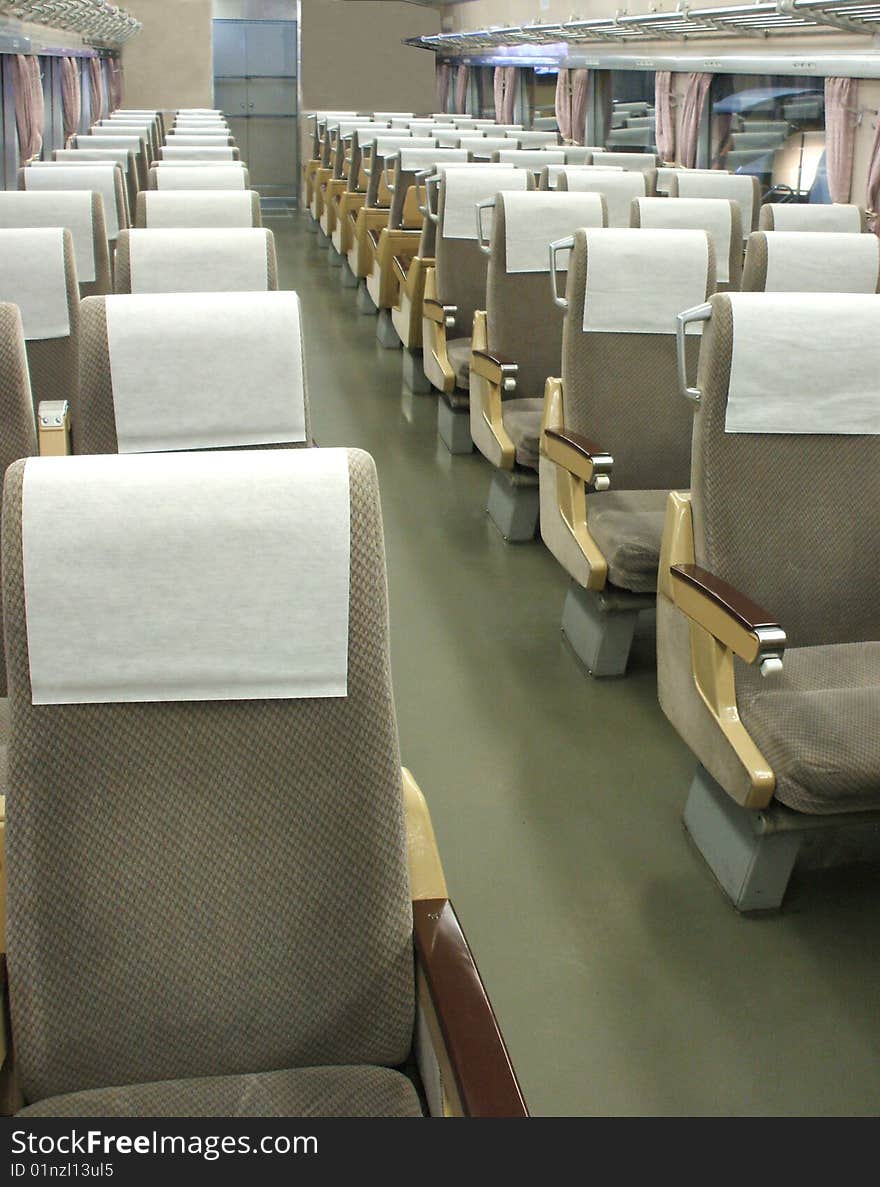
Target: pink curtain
873,192
511,79
665,117
444,72
96,90
841,97
498,83
71,98
117,83
563,103
461,89
29,108
580,100
695,94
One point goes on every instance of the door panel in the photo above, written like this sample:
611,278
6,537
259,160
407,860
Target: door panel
271,48
230,52
272,96
231,97
272,154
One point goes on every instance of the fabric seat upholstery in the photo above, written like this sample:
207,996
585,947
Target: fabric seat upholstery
301,1092
459,352
628,526
522,420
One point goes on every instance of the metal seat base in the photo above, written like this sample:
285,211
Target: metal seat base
454,427
513,506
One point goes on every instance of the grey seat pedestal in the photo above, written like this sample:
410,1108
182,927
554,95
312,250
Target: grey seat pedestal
414,376
454,427
514,504
334,257
364,300
600,627
386,335
348,278
323,240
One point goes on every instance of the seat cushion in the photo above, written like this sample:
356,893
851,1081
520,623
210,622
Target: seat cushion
816,724
522,420
4,743
459,352
628,526
302,1092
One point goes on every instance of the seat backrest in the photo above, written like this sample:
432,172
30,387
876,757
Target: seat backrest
206,139
483,147
787,405
523,323
114,131
810,262
82,213
124,158
18,438
201,176
742,188
200,260
642,136
741,140
535,159
751,162
38,273
719,217
812,216
198,152
198,208
627,160
233,836
619,187
625,289
104,178
536,139
132,144
461,265
665,172
228,372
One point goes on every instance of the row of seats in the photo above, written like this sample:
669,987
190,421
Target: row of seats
574,401
180,772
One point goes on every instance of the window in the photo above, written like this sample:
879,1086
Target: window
772,126
632,112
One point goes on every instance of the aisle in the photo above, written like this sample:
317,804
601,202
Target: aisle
623,981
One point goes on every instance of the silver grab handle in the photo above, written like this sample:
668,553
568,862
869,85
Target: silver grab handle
422,176
556,247
367,158
682,321
483,240
432,186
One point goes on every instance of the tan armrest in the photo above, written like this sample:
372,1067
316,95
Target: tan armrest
375,216
729,616
443,315
498,371
53,428
473,1048
426,878
580,456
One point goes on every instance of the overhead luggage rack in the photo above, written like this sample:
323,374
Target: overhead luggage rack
94,20
764,19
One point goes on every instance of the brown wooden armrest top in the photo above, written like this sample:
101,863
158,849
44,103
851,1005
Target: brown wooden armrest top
495,359
578,442
729,599
484,1075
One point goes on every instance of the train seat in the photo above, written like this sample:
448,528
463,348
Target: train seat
740,187
537,139
198,208
455,288
231,373
78,210
38,273
639,136
482,148
132,144
536,159
811,262
104,178
207,139
618,187
199,176
807,216
202,260
124,158
198,152
117,130
720,217
615,407
517,344
779,705
645,161
277,762
372,215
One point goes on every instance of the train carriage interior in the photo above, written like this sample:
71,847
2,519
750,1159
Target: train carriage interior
445,678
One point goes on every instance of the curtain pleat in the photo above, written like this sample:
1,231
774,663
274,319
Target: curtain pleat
580,102
695,95
462,78
872,196
498,91
665,119
511,80
444,72
71,98
841,98
96,90
563,103
117,83
27,84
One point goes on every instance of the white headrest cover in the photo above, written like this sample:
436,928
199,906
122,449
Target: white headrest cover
197,152
638,281
100,178
425,158
210,177
797,216
188,577
32,277
205,260
535,158
385,145
811,262
626,160
483,146
699,214
206,138
715,184
533,220
199,208
804,363
131,143
618,185
465,187
666,172
186,163
226,369
63,208
77,156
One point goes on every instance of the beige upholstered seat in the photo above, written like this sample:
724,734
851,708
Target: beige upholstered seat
720,217
123,157
105,178
132,144
615,419
806,216
198,208
201,394
183,826
617,186
203,259
201,176
50,309
517,344
78,210
812,261
769,664
739,187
